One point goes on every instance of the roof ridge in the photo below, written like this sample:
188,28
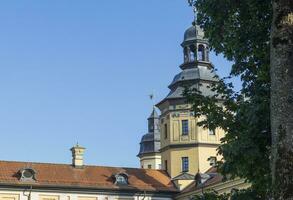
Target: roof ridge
63,164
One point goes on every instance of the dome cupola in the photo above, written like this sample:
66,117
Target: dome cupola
197,70
150,142
193,33
195,45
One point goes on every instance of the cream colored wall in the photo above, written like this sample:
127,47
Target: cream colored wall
153,160
102,195
204,153
176,160
181,184
205,137
10,196
49,197
173,121
197,156
166,155
198,145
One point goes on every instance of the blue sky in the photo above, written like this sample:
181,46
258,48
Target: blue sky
82,71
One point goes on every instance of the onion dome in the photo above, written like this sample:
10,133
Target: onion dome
192,33
196,70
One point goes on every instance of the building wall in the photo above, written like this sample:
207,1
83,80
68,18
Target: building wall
181,184
38,195
152,161
176,162
199,145
221,188
204,154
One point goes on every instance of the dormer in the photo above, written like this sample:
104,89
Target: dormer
121,178
27,174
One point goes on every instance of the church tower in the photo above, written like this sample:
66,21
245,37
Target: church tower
187,148
149,154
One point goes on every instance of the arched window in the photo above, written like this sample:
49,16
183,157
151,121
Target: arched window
207,54
192,53
27,174
121,179
186,56
201,53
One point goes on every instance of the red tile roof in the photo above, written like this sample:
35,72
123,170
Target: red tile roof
90,177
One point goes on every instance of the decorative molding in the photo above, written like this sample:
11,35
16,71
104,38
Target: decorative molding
176,146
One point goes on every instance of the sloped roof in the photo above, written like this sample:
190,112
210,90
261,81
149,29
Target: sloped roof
184,176
88,177
193,33
217,178
154,114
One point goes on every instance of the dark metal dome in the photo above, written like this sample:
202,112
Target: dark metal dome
192,33
150,142
149,137
202,73
147,144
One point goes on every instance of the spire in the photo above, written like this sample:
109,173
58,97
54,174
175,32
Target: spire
150,142
192,4
154,114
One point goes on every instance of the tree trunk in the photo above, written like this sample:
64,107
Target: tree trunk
282,99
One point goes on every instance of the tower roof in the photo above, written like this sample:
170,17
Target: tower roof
196,69
197,73
150,142
154,114
193,33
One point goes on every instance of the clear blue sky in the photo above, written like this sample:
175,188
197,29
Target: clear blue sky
81,71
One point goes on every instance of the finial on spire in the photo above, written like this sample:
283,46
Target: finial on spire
152,96
192,4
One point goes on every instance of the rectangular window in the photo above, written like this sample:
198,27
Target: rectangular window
185,164
9,197
166,131
212,132
49,197
185,128
87,198
149,166
213,161
166,165
124,198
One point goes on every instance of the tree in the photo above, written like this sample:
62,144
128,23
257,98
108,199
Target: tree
241,31
282,98
235,195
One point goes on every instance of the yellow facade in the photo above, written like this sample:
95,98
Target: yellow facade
6,196
181,184
49,197
151,161
198,145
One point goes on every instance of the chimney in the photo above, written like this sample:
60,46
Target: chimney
77,156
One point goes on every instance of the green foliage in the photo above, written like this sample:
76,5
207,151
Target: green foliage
211,196
241,31
235,195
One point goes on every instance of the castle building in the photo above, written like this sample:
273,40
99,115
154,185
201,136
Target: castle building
187,148
150,157
77,181
177,156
